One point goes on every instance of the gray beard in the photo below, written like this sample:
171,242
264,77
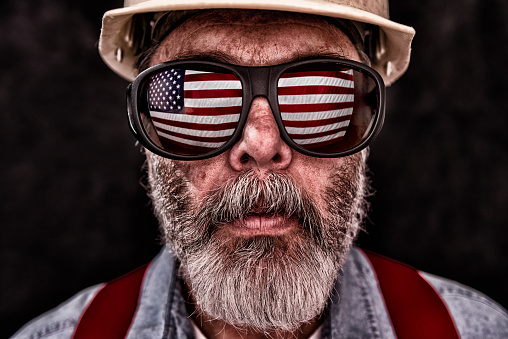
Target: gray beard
265,283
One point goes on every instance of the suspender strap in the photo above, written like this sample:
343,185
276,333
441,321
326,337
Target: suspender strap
416,309
110,313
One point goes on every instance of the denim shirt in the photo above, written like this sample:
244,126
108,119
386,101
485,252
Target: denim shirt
356,310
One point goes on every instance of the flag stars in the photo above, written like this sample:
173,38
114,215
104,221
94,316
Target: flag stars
166,91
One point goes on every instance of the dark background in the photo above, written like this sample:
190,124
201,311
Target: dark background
73,212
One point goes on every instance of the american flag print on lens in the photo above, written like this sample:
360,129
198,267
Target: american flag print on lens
195,112
316,106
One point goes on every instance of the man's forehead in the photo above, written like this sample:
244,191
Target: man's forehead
251,17
254,38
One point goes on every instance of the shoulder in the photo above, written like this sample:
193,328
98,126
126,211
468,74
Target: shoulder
475,314
61,322
58,323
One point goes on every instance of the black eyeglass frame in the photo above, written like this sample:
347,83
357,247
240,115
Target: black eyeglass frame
256,81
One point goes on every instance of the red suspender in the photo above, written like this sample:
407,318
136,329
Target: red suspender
109,314
416,309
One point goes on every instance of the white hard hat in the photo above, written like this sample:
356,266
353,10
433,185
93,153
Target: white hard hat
119,51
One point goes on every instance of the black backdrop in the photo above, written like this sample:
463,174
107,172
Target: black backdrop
73,212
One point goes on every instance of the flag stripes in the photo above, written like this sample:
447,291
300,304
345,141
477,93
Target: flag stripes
328,95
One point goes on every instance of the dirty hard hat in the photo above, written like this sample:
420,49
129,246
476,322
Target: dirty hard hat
127,32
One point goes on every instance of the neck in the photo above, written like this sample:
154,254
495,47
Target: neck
219,329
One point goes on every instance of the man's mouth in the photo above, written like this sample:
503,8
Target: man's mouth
256,222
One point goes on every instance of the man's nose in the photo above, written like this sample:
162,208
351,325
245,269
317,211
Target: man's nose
260,146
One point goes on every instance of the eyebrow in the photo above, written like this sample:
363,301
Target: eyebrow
320,54
219,56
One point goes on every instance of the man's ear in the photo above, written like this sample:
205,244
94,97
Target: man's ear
148,160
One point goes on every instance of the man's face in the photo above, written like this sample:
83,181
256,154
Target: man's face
261,230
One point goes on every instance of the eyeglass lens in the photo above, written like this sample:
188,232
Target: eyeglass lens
326,109
192,112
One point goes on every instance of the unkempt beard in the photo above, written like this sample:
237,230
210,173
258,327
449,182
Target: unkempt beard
266,283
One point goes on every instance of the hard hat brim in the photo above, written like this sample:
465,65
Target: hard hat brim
116,49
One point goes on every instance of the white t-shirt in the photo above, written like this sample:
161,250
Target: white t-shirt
199,335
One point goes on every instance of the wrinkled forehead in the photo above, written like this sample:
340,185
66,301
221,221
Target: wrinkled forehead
251,17
254,38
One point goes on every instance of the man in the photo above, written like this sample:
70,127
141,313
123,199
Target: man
255,118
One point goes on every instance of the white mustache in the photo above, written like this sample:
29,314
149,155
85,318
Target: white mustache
275,194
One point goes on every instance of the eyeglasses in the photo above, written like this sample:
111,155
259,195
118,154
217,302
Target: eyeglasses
192,110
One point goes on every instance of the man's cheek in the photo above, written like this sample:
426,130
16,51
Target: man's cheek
206,175
314,178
